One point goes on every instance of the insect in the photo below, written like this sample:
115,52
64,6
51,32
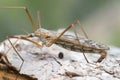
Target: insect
74,43
60,55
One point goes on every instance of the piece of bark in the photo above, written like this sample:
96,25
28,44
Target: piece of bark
10,75
45,64
8,72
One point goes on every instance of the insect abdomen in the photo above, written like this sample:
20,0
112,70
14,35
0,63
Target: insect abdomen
77,48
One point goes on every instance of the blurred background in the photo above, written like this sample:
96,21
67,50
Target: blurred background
100,18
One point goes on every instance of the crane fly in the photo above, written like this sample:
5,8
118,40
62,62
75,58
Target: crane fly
72,42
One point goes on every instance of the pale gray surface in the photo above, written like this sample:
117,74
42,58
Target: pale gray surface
40,63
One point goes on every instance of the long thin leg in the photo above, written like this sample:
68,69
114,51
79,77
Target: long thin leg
71,26
4,55
39,23
17,53
38,17
27,39
75,32
81,28
27,12
5,59
56,39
